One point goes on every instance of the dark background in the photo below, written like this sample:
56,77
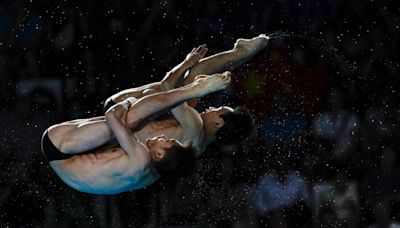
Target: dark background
324,93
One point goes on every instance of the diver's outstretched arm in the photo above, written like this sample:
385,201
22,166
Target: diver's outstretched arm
174,77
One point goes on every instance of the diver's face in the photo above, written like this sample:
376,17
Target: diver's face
212,112
222,109
158,144
212,117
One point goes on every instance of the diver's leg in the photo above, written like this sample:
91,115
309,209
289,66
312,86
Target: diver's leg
80,136
242,51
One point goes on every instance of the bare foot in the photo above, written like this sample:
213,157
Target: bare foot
213,83
255,44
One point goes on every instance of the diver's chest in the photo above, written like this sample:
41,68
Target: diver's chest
171,129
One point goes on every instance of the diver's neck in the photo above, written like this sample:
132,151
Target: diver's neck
208,137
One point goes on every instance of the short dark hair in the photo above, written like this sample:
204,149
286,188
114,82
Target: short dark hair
238,125
178,162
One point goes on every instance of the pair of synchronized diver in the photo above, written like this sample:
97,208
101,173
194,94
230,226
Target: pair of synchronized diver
126,149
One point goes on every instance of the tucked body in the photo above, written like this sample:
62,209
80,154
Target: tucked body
84,156
223,124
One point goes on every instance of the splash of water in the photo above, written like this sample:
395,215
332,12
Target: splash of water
327,52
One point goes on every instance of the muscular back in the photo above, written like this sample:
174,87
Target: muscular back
108,171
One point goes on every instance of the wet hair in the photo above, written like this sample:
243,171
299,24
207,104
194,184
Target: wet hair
238,125
178,162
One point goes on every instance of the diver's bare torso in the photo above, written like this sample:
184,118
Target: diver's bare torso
107,171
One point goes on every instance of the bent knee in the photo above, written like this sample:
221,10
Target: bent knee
66,145
60,136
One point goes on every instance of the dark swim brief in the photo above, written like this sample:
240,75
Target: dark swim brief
107,104
50,151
